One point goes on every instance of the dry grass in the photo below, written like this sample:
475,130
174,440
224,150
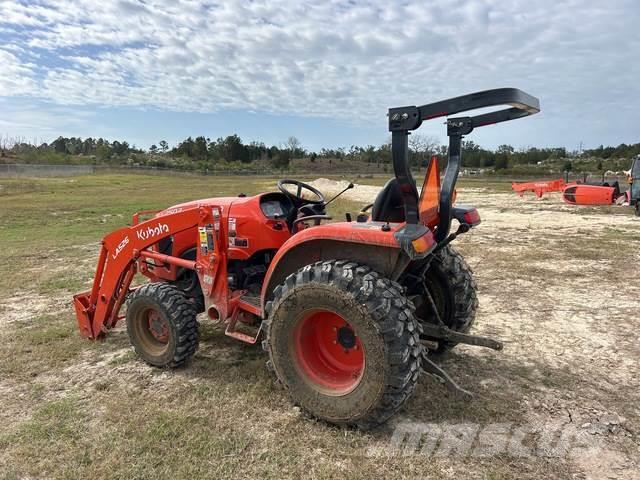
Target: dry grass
554,283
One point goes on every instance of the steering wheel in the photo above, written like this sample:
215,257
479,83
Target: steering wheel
297,198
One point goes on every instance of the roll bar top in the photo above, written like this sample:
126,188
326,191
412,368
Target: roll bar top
404,119
522,104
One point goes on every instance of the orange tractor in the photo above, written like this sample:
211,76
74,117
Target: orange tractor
347,311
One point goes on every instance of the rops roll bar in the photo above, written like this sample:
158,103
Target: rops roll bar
404,119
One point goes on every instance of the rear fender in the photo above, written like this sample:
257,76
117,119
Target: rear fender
365,243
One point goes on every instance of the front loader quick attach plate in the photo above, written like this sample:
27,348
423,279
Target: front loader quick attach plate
82,304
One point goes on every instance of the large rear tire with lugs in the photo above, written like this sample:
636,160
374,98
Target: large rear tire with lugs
344,342
162,325
451,284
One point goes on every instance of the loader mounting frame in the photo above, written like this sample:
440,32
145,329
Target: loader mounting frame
97,310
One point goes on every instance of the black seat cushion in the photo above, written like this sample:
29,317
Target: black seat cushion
389,205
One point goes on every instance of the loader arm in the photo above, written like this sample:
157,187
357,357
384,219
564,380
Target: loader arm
97,309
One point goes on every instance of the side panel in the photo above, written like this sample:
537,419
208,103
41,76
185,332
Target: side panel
539,188
251,231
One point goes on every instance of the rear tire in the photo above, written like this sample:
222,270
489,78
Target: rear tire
162,325
453,289
343,341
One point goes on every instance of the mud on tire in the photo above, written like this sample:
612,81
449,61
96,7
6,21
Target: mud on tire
162,326
383,326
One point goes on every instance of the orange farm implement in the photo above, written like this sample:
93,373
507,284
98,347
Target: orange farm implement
539,188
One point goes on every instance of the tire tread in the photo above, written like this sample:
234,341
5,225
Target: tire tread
392,313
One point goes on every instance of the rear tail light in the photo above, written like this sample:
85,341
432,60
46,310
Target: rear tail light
472,217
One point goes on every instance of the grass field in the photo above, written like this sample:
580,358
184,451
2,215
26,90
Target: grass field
555,282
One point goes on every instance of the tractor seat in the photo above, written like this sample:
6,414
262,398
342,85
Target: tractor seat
389,205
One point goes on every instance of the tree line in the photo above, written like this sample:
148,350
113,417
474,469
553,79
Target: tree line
203,153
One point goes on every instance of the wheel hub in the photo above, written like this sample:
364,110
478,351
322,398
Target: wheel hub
346,337
158,326
328,353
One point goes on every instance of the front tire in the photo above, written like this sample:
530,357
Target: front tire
343,341
162,325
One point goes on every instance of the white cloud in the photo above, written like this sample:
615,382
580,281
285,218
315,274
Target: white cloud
342,59
16,77
44,122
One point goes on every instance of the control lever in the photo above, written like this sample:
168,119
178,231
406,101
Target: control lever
349,187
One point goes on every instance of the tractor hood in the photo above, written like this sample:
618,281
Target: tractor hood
219,201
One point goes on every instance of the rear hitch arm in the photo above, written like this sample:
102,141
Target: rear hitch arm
440,331
445,333
432,369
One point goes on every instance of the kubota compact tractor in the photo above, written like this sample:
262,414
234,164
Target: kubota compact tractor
346,311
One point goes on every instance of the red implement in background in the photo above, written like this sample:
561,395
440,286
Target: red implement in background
539,188
589,195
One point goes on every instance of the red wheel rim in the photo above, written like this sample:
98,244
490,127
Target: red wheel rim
158,326
328,352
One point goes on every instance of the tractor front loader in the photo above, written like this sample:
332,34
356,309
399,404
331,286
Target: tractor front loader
349,312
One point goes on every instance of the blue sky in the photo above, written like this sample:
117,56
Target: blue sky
325,72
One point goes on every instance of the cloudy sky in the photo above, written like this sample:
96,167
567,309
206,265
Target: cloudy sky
324,71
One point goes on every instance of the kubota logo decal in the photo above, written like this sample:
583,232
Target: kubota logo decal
120,247
151,232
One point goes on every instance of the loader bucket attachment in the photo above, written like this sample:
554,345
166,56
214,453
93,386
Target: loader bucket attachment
430,196
82,304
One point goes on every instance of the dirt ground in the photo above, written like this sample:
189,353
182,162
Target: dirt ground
556,284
